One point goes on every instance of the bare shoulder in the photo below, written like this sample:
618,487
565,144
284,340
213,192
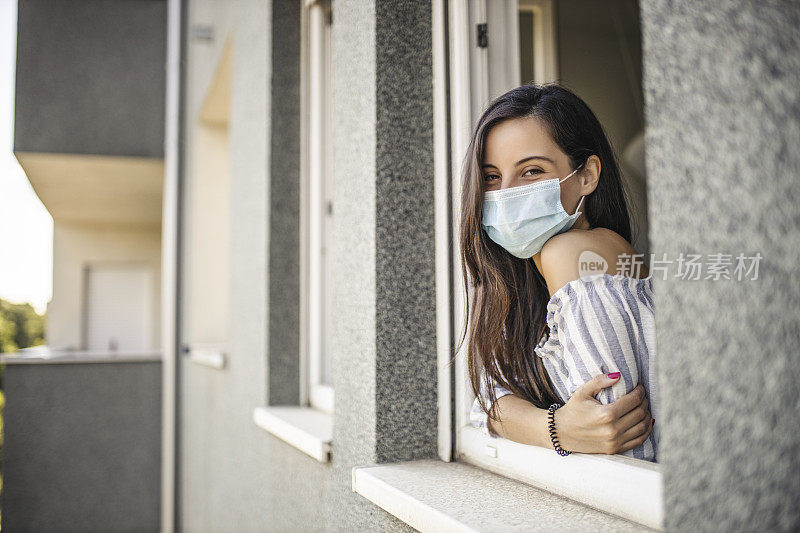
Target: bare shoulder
561,255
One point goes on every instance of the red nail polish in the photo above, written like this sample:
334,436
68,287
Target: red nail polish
613,375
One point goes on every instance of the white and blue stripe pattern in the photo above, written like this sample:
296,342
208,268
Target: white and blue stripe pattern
477,416
599,324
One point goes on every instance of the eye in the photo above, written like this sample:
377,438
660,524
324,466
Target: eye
490,177
534,171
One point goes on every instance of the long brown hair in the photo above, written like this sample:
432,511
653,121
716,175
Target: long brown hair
510,296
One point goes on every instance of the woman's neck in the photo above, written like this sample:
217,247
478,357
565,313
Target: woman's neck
581,223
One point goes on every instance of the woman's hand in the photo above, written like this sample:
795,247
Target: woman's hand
585,425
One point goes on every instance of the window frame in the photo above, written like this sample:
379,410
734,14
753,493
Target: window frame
544,40
315,189
309,425
619,485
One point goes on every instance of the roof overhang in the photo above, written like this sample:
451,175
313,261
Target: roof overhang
96,188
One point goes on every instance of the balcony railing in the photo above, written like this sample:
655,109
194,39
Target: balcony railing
82,447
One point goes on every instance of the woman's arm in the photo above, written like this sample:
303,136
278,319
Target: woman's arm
583,424
599,323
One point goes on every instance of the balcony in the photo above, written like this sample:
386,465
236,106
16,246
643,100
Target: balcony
82,448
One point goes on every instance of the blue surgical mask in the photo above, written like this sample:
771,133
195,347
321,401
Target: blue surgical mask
521,219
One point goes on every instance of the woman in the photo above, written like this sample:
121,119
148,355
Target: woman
543,332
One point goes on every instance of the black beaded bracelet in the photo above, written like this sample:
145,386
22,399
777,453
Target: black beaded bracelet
551,426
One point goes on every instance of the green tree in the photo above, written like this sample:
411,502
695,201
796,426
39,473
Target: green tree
20,326
8,332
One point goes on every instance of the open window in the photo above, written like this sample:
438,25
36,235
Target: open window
594,48
308,425
316,210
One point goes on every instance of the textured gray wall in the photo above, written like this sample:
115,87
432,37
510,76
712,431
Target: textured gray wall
723,129
284,209
405,367
91,77
82,447
384,351
236,477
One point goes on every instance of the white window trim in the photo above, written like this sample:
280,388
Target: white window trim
442,233
315,161
401,504
309,430
626,487
309,426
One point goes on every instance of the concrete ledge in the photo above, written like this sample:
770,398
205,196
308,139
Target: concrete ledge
615,484
78,357
432,495
307,429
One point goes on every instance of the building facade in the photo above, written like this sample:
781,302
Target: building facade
89,134
310,287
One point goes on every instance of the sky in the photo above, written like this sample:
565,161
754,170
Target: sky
26,228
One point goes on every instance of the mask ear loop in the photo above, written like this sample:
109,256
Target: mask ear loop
573,172
570,174
582,197
579,205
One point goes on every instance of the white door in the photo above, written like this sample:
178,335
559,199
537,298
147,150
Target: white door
118,308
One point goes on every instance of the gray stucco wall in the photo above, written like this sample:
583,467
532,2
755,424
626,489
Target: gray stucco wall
384,351
82,447
284,207
90,77
406,373
723,130
234,475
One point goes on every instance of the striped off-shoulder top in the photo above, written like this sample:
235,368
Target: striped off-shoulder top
597,324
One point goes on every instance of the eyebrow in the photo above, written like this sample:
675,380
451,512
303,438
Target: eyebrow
523,160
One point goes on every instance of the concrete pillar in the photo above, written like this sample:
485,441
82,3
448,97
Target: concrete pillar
384,246
722,133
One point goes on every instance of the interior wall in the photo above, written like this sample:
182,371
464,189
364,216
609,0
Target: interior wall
599,56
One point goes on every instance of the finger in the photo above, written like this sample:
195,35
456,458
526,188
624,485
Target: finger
628,402
637,429
594,386
634,416
638,440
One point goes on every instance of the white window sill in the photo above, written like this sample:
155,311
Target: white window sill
623,486
307,429
432,495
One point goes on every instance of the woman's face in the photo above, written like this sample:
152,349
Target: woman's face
520,151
